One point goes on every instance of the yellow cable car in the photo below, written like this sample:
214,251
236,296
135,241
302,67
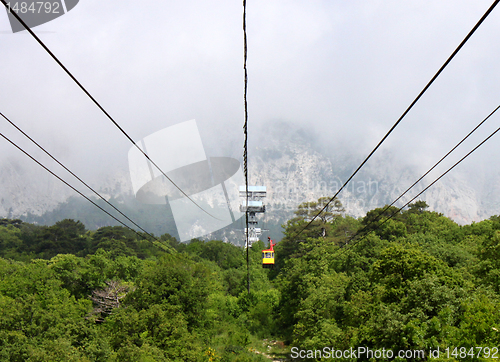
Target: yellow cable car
268,255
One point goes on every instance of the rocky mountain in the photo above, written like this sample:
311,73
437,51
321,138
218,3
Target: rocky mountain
26,190
294,166
295,170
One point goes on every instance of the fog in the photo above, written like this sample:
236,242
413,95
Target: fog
347,70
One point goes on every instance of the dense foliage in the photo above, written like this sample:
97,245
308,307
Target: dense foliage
68,294
416,281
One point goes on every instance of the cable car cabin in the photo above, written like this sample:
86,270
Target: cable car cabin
268,255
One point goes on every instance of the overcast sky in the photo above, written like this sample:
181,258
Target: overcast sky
346,69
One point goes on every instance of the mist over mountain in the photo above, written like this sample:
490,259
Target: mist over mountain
298,167
341,72
295,165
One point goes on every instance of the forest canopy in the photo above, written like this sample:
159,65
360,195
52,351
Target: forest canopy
416,281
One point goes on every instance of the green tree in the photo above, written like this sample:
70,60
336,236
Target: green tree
10,242
37,313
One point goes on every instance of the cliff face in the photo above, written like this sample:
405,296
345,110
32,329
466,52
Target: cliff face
28,190
25,188
295,168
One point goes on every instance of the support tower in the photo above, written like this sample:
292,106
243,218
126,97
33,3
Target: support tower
255,206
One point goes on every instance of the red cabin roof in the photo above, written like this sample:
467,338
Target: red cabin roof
271,245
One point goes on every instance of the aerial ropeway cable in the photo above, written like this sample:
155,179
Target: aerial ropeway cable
157,243
425,174
427,187
245,132
455,52
71,172
5,3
